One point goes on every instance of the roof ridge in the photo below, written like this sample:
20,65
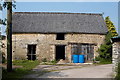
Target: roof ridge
56,13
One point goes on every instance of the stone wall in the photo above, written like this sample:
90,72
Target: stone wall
4,47
45,44
116,55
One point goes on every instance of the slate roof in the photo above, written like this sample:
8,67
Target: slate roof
56,22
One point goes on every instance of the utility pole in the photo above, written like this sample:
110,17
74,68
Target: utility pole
9,36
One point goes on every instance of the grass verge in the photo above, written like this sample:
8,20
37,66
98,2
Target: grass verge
18,73
104,61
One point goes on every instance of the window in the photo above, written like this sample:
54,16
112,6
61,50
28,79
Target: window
86,49
31,52
60,36
76,48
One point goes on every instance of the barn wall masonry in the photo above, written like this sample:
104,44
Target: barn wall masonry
116,55
45,44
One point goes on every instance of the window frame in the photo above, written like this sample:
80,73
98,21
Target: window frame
30,54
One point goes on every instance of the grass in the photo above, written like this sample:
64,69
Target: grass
26,69
53,62
18,73
104,61
27,64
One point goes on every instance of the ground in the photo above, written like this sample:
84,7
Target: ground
77,71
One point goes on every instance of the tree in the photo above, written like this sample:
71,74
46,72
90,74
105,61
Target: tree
1,21
105,50
110,26
0,7
1,44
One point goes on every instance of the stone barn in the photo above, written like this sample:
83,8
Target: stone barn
55,35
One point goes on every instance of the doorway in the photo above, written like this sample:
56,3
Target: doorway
60,52
31,52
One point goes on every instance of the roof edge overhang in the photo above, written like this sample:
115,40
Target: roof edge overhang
56,33
57,13
115,39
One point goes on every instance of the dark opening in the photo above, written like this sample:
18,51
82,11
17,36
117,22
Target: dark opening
31,52
60,36
60,52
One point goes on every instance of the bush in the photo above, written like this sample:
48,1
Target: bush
97,58
105,51
103,60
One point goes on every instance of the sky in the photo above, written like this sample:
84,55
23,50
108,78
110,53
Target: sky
66,0
106,8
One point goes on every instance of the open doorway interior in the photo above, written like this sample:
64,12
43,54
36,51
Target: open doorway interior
60,52
31,52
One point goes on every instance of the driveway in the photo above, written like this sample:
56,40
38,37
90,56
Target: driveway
99,71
